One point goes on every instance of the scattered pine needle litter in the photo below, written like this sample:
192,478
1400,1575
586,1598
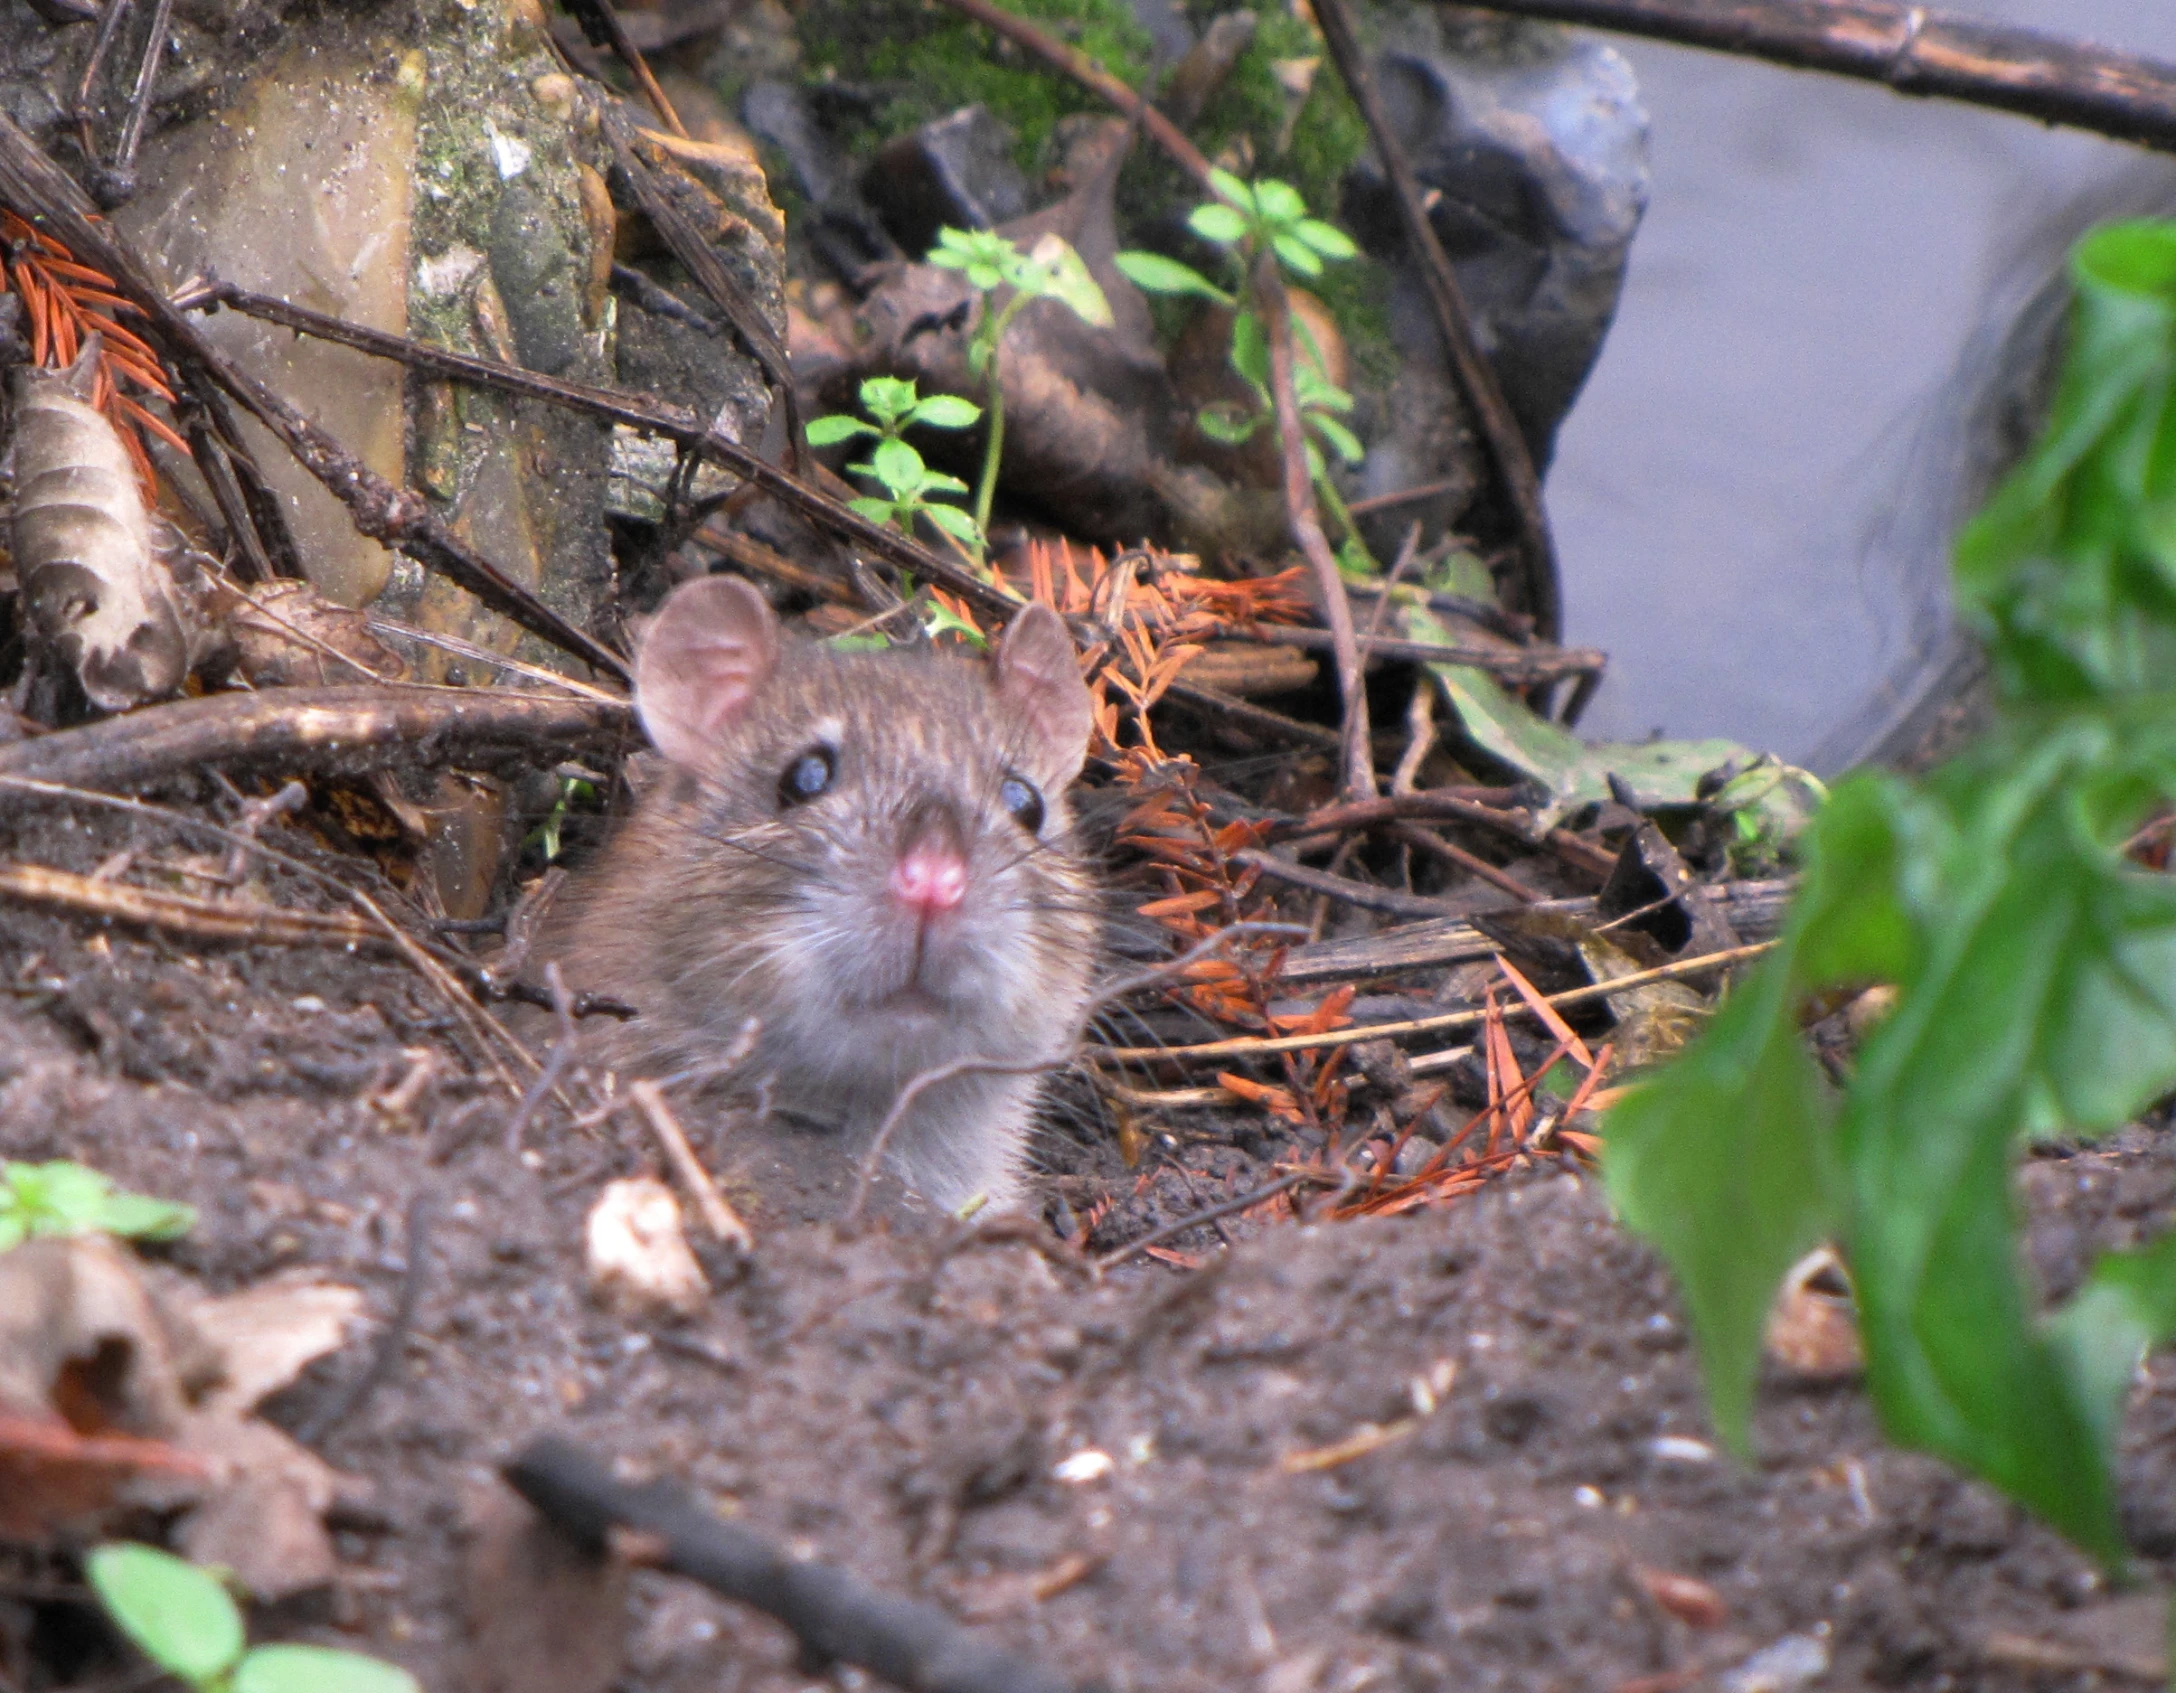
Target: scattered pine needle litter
67,303
1150,615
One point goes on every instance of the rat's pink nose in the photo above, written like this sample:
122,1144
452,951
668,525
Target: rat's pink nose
929,879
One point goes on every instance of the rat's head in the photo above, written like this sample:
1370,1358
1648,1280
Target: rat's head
881,842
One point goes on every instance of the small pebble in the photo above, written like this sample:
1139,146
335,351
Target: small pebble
1795,1661
1084,1466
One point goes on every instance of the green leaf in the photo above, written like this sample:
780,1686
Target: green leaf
1278,202
1571,772
1726,1162
1296,254
2046,1000
1342,440
2069,567
1061,274
1326,238
1250,350
1233,425
64,1198
960,525
887,398
135,1216
1316,393
178,1616
945,411
1221,224
60,1197
874,510
898,466
829,431
2126,1308
1155,274
943,620
1229,187
318,1669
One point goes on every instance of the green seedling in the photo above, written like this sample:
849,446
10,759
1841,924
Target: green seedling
2034,964
894,407
908,484
546,836
1050,270
185,1622
62,1198
1245,220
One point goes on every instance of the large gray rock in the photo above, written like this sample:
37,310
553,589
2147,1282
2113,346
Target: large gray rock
1534,143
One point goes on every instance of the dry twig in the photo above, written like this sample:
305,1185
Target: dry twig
1255,1047
719,1217
1912,49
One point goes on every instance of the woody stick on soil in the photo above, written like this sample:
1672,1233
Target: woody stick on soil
835,1617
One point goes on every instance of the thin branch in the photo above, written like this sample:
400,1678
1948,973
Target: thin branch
1214,1213
179,914
1255,1047
907,1642
343,730
1299,499
1484,395
600,23
1516,667
1364,895
719,1217
1912,49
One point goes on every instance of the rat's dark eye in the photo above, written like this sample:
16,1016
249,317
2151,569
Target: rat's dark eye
1019,798
806,777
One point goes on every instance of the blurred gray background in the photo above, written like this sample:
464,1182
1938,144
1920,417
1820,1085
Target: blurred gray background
1745,501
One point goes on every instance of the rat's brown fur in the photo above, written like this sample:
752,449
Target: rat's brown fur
718,901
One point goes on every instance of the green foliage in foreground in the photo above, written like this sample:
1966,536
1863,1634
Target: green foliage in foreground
185,1622
63,1198
2036,970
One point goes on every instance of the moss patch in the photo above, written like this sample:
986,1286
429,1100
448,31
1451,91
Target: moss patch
920,61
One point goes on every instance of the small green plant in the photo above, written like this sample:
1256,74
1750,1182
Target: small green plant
184,1621
894,407
63,1198
546,837
1245,220
1050,270
2034,963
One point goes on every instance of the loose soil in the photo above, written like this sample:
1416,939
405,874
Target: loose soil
897,1403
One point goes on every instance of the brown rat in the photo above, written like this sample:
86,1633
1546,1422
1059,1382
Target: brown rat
868,853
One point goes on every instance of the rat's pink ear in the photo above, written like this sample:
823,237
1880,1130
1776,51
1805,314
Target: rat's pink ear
711,646
1038,676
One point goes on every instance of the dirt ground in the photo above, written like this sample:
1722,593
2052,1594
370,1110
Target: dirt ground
1528,1450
